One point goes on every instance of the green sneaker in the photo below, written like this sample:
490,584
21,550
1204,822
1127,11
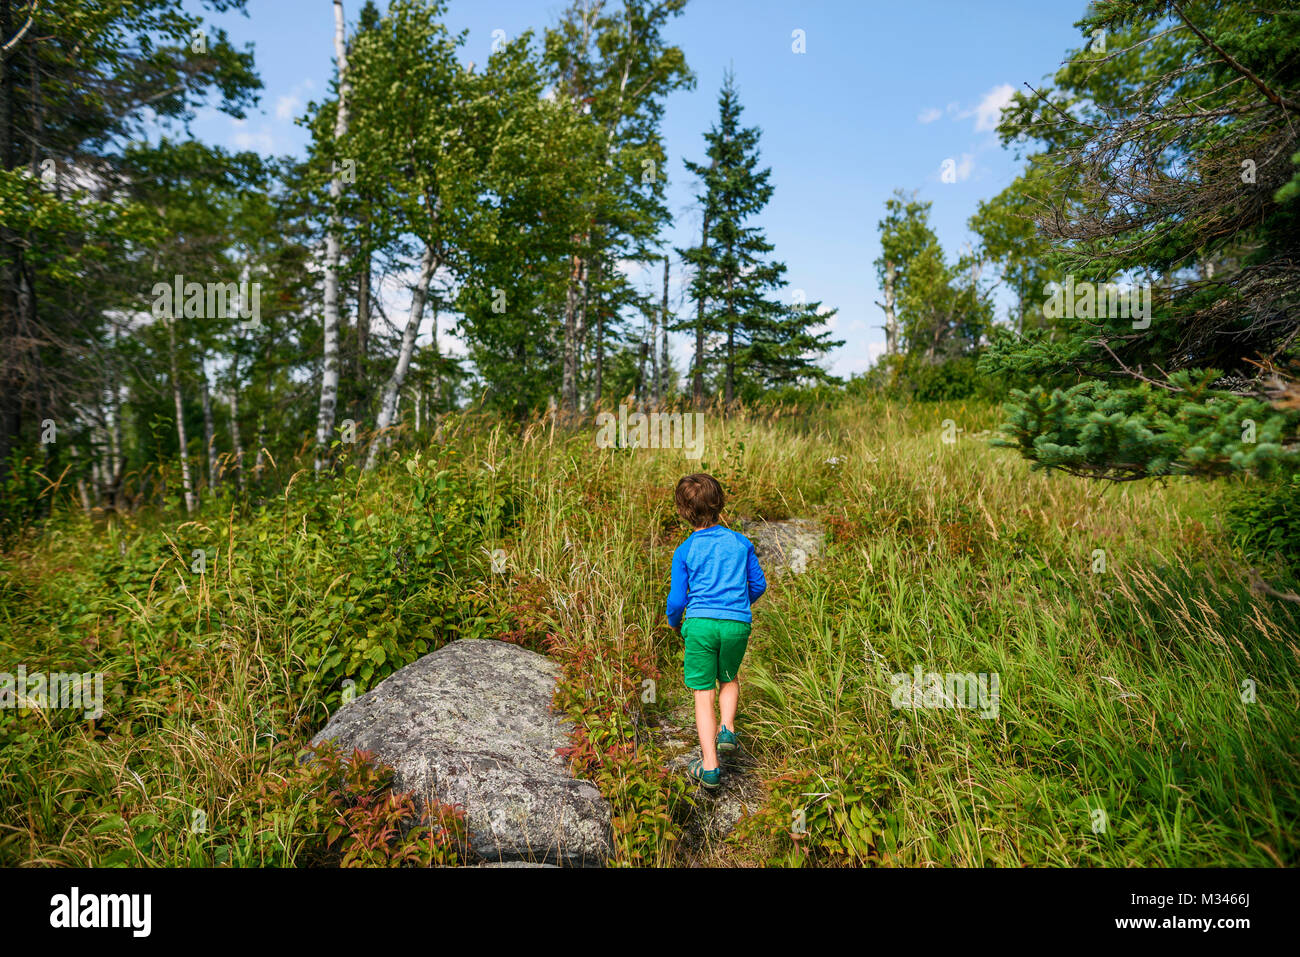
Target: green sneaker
710,779
726,740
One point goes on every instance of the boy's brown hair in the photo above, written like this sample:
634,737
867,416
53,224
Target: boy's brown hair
699,499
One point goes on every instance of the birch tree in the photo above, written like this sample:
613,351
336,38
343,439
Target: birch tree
427,152
187,482
616,68
329,386
388,404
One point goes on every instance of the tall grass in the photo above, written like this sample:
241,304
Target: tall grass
1126,732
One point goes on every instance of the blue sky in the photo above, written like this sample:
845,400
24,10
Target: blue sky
883,95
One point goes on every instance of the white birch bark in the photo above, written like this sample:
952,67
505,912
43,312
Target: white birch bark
329,385
388,407
236,443
186,481
209,430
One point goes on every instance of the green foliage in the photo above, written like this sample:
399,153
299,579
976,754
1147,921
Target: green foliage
80,242
940,310
1121,690
1098,430
911,377
954,379
363,821
1207,222
1010,238
1266,519
649,801
223,643
826,814
22,501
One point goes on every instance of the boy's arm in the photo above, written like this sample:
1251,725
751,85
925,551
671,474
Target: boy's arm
677,592
757,583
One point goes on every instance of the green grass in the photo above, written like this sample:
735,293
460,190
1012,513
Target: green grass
1121,692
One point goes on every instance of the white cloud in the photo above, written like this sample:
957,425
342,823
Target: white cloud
851,364
631,268
290,104
959,170
286,107
247,139
989,111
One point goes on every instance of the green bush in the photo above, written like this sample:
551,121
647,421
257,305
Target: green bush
911,377
1265,519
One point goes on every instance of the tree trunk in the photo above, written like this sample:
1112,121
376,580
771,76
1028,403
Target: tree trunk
697,386
233,399
569,380
437,371
117,462
731,363
640,370
363,311
660,367
388,407
329,386
186,482
97,469
10,323
397,418
599,386
436,406
731,340
891,320
209,433
582,337
259,461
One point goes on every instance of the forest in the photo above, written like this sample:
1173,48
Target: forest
275,427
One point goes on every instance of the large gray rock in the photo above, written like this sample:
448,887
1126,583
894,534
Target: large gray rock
471,724
785,545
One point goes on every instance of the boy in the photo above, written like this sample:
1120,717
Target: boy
716,577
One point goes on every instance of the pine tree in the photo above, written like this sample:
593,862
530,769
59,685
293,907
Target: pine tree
760,341
1172,157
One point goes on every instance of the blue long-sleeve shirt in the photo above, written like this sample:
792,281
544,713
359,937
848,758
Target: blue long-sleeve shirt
715,575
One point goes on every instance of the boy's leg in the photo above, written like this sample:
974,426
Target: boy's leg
728,698
730,653
701,673
707,727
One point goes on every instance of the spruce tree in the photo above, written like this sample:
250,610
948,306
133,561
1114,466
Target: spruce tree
759,340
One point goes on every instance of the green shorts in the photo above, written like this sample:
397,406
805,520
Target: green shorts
714,648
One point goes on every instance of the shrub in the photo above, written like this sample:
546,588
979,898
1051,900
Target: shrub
1265,519
355,819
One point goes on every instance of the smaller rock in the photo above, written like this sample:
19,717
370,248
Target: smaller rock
786,545
516,864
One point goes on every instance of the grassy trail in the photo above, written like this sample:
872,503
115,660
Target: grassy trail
1148,700
1145,711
